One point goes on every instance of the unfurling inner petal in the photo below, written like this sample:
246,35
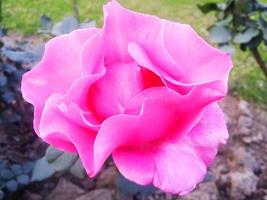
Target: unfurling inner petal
110,95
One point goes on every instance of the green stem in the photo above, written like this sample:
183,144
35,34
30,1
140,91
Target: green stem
76,10
256,54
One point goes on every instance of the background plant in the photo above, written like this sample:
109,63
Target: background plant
242,23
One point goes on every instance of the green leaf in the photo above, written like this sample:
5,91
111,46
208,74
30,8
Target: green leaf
219,34
77,169
263,25
52,154
42,170
229,49
64,161
128,188
207,7
244,6
225,22
66,26
246,36
255,42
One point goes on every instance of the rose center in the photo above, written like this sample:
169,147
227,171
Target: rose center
110,94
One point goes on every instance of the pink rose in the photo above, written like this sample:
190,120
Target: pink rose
141,89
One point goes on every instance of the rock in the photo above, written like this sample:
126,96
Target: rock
101,194
263,180
65,190
240,185
32,196
242,159
107,178
244,125
244,108
205,191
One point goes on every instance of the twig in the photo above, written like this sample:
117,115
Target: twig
256,54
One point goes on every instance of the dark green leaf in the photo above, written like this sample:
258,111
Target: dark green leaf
229,49
207,7
244,6
263,25
225,22
52,154
128,188
46,22
246,36
219,34
42,170
255,42
77,169
66,26
64,161
12,185
88,24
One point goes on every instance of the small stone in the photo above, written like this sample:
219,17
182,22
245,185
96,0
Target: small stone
205,191
242,184
258,137
107,178
32,196
6,174
244,125
16,169
263,180
244,108
101,194
65,190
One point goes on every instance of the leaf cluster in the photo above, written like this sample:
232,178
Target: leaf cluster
241,22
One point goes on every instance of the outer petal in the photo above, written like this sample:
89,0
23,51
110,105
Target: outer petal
62,126
165,115
58,69
202,63
144,30
182,58
175,165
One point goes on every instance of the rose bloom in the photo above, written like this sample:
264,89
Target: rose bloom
142,90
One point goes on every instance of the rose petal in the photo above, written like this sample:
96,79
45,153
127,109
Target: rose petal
67,130
109,95
165,115
58,69
92,55
175,165
202,63
144,30
209,133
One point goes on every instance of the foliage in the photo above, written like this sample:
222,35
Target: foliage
57,161
239,22
65,26
127,188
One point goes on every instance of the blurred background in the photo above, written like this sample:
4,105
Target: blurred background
31,171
